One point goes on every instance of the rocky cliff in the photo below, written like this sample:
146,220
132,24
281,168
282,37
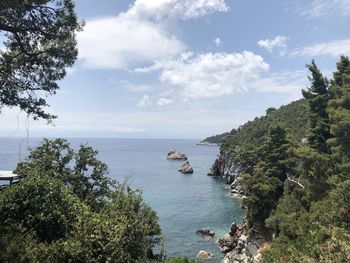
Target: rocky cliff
225,167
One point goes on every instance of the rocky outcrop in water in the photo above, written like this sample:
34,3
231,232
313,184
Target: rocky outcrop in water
175,155
186,168
206,232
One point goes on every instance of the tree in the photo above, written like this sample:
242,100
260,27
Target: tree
339,112
66,209
264,186
317,96
40,43
80,171
40,204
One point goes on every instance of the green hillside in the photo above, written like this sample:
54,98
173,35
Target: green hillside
293,116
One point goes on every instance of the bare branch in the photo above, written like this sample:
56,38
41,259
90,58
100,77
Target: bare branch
294,181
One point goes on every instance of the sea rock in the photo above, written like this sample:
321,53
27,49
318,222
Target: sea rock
234,257
206,232
186,168
204,255
175,155
227,243
234,228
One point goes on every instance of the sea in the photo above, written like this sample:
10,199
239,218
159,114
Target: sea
184,203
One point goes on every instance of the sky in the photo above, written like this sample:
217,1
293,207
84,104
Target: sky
187,68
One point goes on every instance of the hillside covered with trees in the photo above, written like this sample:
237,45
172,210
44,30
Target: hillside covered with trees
295,172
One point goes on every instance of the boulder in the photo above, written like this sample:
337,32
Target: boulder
234,257
251,250
227,243
206,232
186,168
233,229
204,255
175,155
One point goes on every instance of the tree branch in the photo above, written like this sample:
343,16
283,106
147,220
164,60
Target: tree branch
294,181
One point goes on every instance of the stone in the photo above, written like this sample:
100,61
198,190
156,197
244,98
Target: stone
233,229
240,246
186,168
227,243
251,250
175,155
204,255
234,257
258,257
206,232
243,238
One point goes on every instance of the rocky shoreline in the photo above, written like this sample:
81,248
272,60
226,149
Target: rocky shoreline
242,243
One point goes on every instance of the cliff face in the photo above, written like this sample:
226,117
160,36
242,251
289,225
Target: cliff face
225,167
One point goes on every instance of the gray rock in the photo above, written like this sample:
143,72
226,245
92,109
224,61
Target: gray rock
251,250
204,255
174,155
206,232
186,168
227,243
240,246
234,257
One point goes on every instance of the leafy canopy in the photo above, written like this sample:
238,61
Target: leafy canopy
39,44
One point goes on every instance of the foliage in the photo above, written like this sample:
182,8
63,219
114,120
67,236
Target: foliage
79,170
317,96
322,232
292,117
40,204
339,112
264,185
300,189
57,217
39,43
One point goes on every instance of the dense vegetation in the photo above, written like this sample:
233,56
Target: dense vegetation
295,165
292,116
67,210
216,139
39,40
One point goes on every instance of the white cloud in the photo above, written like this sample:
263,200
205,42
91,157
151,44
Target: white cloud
334,49
184,9
279,42
165,102
140,35
210,75
321,8
121,43
144,102
217,42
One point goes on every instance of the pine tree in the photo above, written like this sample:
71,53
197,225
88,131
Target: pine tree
339,112
265,185
317,96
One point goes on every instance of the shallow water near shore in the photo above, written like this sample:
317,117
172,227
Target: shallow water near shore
184,203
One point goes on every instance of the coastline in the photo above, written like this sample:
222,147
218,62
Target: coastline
239,244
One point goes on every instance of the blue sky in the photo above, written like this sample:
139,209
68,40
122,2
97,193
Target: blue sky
188,68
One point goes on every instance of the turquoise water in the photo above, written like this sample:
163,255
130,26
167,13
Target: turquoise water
184,203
